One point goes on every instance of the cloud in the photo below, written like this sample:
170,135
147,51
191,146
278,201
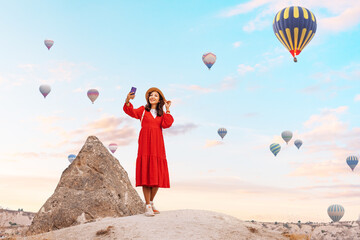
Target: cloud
243,69
212,143
227,83
250,115
327,168
177,129
237,44
244,8
311,89
338,15
357,98
333,139
107,129
347,19
330,82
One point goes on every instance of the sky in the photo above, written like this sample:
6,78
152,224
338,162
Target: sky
254,90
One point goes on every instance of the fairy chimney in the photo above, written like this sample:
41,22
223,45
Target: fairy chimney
94,185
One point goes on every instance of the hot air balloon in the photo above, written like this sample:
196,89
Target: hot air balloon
49,43
294,27
286,135
71,158
336,212
275,148
209,59
93,95
113,147
298,143
222,132
45,90
352,161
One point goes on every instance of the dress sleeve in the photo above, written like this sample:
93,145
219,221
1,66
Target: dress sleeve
167,120
135,113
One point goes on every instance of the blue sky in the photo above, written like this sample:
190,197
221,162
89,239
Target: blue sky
254,90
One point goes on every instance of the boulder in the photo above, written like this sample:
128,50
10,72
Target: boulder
93,186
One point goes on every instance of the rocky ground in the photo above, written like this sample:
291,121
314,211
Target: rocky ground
192,224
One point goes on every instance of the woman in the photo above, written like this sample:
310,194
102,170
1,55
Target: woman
151,165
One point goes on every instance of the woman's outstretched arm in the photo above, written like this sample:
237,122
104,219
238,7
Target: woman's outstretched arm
129,108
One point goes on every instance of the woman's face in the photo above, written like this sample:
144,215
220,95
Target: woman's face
154,98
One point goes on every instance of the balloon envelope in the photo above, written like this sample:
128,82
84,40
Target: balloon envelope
113,147
286,135
222,132
209,59
71,158
275,148
336,212
45,90
294,27
352,161
49,43
93,95
298,143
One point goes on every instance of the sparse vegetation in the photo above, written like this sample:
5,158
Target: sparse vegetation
252,230
104,231
286,225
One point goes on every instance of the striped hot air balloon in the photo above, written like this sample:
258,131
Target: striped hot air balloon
113,147
222,132
209,59
336,212
294,27
93,95
352,161
286,135
275,148
45,90
48,43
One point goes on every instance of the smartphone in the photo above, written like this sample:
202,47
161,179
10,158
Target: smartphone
133,90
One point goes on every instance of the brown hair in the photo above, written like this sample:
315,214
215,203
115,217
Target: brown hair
159,107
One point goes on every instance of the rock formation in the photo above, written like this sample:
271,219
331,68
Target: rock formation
94,185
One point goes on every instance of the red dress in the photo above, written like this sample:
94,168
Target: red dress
151,164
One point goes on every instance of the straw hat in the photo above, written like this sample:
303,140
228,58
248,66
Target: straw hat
154,89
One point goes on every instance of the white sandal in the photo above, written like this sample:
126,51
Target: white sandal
153,208
149,211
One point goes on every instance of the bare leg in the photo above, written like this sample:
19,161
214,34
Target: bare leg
147,192
153,192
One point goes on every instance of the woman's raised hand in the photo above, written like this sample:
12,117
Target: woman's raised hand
167,104
130,96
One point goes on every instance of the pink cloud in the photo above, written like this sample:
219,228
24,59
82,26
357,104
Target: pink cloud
334,139
212,143
345,14
357,98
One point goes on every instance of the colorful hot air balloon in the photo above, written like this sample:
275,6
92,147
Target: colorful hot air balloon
209,59
113,147
49,43
222,132
275,148
294,27
45,90
286,135
71,158
336,212
352,161
93,95
298,143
